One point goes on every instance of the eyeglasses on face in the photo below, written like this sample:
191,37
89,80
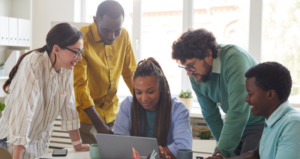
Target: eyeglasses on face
77,53
189,68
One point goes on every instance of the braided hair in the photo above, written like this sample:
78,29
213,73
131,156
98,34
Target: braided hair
150,67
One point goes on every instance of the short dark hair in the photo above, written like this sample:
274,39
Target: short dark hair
194,44
112,8
272,76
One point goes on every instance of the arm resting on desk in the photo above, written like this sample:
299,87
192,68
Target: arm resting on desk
254,154
75,136
100,126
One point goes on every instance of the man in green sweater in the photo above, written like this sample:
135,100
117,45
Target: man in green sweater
216,73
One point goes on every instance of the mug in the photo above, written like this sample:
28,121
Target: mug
94,151
184,154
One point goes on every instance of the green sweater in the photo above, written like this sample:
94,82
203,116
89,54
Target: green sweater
227,86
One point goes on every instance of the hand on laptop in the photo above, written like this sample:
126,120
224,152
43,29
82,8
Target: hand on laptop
135,154
163,153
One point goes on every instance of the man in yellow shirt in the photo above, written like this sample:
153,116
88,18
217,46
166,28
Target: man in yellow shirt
108,55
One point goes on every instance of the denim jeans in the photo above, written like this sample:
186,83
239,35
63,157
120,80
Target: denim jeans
3,143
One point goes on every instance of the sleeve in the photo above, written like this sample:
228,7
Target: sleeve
289,142
238,112
81,88
69,116
182,133
24,107
122,123
210,112
129,66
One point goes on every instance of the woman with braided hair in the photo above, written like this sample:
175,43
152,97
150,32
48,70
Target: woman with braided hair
151,112
39,88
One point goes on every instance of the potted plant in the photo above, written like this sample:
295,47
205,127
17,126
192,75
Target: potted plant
186,98
2,69
205,134
2,106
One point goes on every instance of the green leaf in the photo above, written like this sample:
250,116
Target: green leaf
187,94
2,106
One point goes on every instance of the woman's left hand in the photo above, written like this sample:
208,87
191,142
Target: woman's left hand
135,154
82,147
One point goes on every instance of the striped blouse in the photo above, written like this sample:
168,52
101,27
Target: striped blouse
38,94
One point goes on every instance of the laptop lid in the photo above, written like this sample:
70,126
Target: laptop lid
115,146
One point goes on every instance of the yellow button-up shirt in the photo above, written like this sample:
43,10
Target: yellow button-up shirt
96,76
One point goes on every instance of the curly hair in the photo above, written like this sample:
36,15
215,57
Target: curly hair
194,44
272,76
150,67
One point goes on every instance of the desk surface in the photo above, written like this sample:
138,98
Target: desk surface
72,154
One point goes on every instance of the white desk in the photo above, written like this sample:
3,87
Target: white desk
72,154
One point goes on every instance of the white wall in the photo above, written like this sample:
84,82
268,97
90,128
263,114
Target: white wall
5,7
46,11
21,9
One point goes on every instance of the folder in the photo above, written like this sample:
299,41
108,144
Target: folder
21,31
13,31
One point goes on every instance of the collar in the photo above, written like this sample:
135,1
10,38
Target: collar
278,113
216,68
95,33
49,65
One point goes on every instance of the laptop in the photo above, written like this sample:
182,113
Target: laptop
115,146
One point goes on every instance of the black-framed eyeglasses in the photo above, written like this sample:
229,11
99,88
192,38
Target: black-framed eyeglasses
77,53
189,68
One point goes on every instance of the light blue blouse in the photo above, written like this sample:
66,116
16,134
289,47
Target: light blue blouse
180,133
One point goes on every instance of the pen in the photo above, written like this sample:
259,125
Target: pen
216,153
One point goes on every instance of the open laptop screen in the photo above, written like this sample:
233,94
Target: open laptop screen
115,146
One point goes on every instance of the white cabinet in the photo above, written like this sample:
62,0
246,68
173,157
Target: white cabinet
4,24
10,13
15,32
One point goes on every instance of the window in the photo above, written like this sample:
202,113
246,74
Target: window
227,19
281,38
161,25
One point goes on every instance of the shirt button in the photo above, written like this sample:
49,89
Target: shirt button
107,56
111,81
107,101
110,68
110,91
102,109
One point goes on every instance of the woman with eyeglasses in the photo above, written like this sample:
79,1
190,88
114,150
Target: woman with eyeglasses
39,88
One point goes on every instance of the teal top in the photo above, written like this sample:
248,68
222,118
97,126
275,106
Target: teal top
150,123
227,86
281,138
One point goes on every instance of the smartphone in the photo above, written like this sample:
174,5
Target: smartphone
60,152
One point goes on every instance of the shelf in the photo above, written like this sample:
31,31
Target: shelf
204,146
3,77
14,45
196,112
